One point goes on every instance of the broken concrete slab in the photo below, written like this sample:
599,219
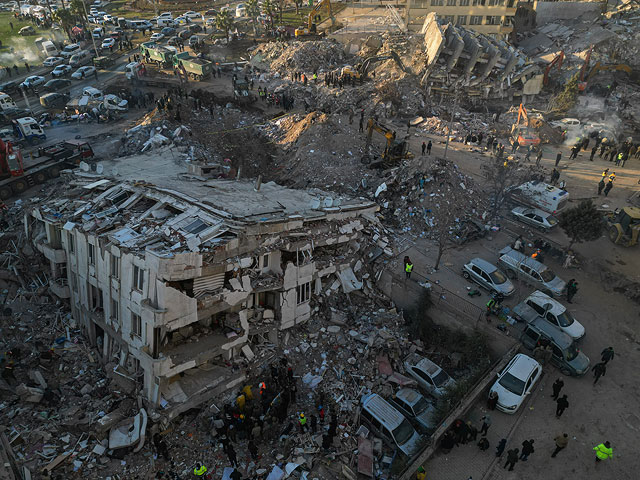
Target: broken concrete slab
130,432
29,394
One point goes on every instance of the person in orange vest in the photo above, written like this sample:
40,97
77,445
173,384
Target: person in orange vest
263,388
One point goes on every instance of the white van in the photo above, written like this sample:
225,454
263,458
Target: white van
379,416
165,15
541,195
6,102
141,24
81,58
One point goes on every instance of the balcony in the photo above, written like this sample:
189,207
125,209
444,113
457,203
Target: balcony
60,288
56,255
196,349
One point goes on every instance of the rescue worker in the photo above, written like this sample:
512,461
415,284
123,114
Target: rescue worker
603,452
302,423
247,392
263,387
421,474
490,306
408,268
612,177
200,470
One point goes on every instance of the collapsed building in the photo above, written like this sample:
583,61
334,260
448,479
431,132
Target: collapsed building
461,60
174,279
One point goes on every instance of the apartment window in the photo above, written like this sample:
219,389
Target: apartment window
74,282
138,278
115,266
72,242
136,325
115,310
451,3
464,3
437,3
493,20
462,20
447,18
92,254
475,20
303,293
265,260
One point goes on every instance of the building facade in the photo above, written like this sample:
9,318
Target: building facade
173,288
490,17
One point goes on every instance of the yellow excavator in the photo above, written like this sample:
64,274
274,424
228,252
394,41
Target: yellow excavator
522,133
394,151
362,69
311,28
624,226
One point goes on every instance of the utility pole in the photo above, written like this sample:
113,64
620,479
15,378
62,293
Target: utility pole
453,114
93,40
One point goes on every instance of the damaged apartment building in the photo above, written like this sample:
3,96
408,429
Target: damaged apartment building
175,281
462,60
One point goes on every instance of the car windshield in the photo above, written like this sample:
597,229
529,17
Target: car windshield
420,406
572,351
403,432
552,220
441,378
498,277
565,319
547,275
511,383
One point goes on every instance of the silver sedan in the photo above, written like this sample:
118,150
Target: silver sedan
535,217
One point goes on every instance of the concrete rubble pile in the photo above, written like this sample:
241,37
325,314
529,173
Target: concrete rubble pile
305,56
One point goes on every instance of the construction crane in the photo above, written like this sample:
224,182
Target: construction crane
394,151
311,28
557,61
523,133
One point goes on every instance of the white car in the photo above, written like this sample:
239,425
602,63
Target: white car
515,382
61,71
566,123
108,43
83,72
156,37
181,20
536,218
191,15
167,15
92,93
556,314
70,50
211,21
52,61
98,32
430,377
33,81
107,17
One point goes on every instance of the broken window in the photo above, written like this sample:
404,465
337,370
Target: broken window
303,293
493,20
462,20
138,278
115,266
92,254
136,325
266,299
265,260
115,311
475,19
196,227
96,298
71,242
74,282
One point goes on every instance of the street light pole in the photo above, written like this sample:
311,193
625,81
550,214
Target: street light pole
93,40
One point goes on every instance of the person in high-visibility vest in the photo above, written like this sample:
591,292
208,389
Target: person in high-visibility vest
603,452
408,268
247,392
200,470
421,474
302,422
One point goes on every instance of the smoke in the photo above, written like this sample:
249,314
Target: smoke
24,49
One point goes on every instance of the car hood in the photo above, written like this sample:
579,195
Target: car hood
580,363
556,285
505,397
506,288
575,330
427,418
413,444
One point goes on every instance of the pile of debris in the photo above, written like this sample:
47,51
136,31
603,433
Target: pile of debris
305,56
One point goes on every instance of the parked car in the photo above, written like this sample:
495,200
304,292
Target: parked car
488,276
185,34
191,15
181,20
156,37
566,123
83,72
92,93
8,87
430,377
33,81
52,61
28,30
61,71
168,31
54,100
414,406
516,264
535,217
211,21
211,12
566,354
56,85
541,305
195,28
98,32
515,382
380,417
107,43
70,50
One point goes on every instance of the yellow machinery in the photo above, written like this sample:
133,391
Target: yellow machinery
310,28
598,67
394,151
522,133
624,226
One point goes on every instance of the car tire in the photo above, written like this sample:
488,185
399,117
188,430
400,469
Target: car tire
5,193
466,275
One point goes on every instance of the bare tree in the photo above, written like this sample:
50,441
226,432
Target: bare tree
502,174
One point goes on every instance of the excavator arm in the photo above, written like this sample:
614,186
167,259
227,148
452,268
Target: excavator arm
598,67
394,151
370,61
557,61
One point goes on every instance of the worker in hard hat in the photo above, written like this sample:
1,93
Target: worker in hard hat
200,470
302,422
